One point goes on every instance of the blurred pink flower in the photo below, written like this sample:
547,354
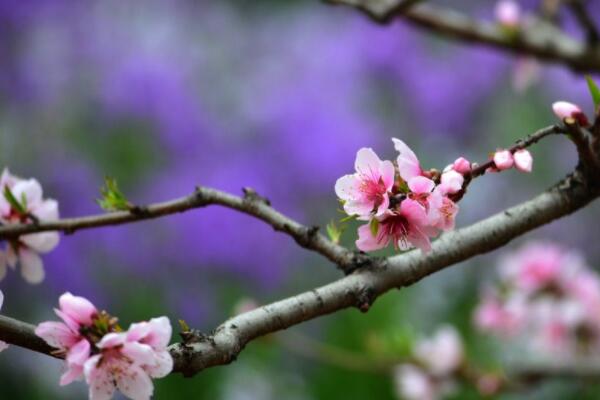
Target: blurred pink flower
26,250
442,353
367,191
508,13
412,383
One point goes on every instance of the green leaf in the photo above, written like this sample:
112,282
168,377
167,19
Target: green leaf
184,326
112,197
374,226
334,232
349,218
21,208
594,91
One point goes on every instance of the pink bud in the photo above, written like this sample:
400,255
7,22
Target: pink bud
508,13
564,109
523,160
462,165
503,159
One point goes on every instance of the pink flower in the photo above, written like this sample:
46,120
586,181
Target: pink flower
127,361
95,348
462,165
412,383
405,228
445,210
508,13
503,159
493,316
564,109
442,353
367,191
523,160
27,248
77,313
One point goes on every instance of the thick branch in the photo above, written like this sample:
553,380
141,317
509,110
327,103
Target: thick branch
540,39
361,288
251,204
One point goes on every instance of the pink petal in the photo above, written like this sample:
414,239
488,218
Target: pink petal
564,109
347,187
359,208
503,159
366,241
41,242
79,353
163,365
141,354
80,309
112,340
420,184
408,163
523,160
57,334
29,189
72,373
47,210
161,332
135,383
413,211
100,381
32,267
68,320
388,173
367,163
419,239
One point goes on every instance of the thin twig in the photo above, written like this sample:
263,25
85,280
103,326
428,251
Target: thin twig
541,40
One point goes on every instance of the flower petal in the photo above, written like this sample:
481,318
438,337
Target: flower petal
366,241
78,308
135,383
367,163
32,266
408,163
420,184
57,334
41,242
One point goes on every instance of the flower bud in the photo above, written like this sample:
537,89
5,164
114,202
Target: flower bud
462,165
564,109
508,13
523,160
503,159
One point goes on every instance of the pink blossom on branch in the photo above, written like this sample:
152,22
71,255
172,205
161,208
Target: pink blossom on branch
94,347
508,13
366,192
523,160
503,159
26,250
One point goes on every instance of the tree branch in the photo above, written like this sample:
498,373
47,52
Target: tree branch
359,289
540,40
251,204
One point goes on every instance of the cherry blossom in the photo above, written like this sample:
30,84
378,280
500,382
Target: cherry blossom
367,191
442,353
31,206
96,348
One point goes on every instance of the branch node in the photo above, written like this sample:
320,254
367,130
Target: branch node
251,195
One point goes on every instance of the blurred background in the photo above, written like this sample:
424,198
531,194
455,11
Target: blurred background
278,96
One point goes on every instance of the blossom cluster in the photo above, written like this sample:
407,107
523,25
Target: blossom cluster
546,296
404,204
95,348
22,202
436,363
